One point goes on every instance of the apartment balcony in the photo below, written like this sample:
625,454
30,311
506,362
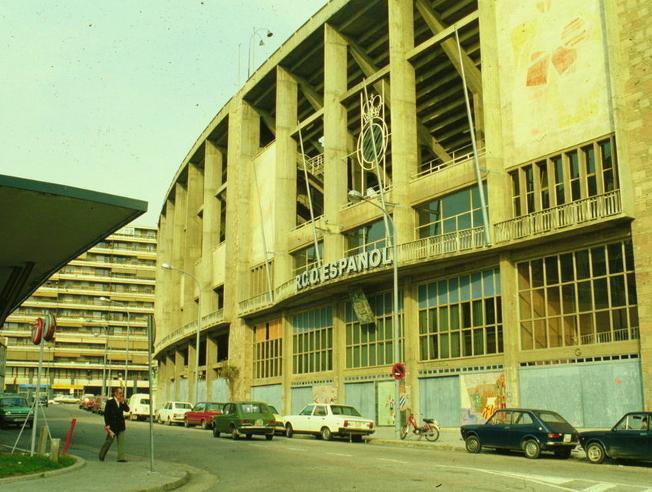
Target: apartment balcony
446,245
588,210
212,319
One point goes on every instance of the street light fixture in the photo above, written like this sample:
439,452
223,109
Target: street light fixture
126,306
251,53
356,196
167,266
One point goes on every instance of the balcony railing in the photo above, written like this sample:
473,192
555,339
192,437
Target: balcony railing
457,157
445,244
608,336
552,219
212,319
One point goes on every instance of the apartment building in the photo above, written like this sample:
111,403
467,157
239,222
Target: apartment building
503,146
100,301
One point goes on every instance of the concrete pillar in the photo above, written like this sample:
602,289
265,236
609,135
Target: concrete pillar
178,369
191,371
339,348
193,237
162,304
288,353
411,337
335,138
403,114
213,161
286,173
509,296
178,280
244,139
211,358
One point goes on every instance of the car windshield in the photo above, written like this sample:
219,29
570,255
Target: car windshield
180,405
551,418
144,401
272,409
13,402
213,406
254,408
344,410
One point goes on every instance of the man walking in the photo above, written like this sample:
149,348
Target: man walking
114,421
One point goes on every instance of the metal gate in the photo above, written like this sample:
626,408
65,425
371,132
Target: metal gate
301,396
587,395
220,390
272,394
439,399
183,390
362,396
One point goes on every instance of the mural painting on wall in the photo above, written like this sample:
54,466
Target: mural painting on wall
482,394
385,401
558,87
325,393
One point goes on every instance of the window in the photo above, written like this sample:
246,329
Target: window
261,278
268,349
219,297
582,297
455,212
306,258
312,341
307,410
320,411
460,316
372,345
366,238
221,198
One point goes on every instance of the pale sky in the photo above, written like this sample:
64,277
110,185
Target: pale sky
110,95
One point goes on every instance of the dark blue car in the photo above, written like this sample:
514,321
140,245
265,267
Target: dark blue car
522,429
630,438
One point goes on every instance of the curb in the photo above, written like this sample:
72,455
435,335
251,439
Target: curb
170,485
79,463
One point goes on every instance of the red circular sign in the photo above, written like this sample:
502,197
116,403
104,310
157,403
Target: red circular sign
37,331
398,371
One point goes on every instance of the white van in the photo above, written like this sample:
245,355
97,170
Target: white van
139,406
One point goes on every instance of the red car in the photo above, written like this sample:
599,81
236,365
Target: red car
202,414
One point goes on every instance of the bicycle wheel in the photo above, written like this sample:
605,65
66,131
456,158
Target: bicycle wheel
432,435
404,431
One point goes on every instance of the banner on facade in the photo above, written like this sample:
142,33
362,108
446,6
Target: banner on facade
482,394
361,307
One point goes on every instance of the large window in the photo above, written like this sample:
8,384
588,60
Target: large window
461,316
373,344
268,349
582,297
262,277
305,259
455,212
365,238
313,341
564,177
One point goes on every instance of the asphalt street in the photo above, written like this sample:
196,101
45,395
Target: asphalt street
304,463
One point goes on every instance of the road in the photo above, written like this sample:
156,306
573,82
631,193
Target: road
304,463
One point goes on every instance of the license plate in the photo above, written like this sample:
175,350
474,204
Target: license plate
567,438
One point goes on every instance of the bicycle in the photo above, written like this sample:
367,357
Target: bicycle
430,428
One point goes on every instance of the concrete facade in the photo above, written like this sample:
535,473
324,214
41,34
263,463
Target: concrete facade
273,254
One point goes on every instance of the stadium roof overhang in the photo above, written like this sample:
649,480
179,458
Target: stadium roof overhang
44,225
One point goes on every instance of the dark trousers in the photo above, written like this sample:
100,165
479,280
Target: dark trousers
120,436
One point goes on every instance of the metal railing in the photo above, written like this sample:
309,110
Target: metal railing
444,244
611,336
434,165
314,165
578,212
212,319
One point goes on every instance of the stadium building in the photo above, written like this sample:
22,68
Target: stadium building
500,146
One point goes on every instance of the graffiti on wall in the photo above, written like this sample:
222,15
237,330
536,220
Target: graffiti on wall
482,394
325,393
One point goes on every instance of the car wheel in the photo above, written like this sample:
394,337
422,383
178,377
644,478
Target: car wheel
248,436
235,435
326,434
595,453
169,422
563,454
532,449
204,425
472,444
356,438
289,432
216,433
269,437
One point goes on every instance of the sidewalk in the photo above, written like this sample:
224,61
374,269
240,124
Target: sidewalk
449,439
91,474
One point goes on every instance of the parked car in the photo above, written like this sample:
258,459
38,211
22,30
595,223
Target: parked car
86,401
138,406
14,409
279,427
521,429
630,438
202,414
328,420
246,418
70,399
172,412
98,404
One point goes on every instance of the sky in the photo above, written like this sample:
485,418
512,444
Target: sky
110,96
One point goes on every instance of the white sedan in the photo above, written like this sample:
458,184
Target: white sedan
330,420
172,412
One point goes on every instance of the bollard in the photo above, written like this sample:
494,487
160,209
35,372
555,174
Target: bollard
42,440
54,449
69,437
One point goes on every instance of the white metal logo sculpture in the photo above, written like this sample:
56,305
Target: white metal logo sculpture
374,134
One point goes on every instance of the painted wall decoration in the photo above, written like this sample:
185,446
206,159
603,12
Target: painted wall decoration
552,73
325,393
482,394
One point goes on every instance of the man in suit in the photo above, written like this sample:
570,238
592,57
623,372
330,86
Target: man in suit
114,424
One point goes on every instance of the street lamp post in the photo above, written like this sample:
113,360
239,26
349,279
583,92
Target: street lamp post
167,266
357,196
125,305
251,52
